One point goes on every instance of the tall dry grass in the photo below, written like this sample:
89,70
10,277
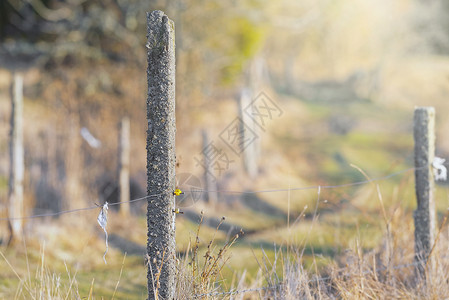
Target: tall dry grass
386,272
43,283
199,273
389,272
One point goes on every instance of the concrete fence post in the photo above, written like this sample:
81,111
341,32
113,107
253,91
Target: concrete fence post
161,157
425,222
124,153
16,162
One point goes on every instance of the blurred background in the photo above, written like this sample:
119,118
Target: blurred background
343,75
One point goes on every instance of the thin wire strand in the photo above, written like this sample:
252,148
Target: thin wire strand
234,292
53,214
316,186
246,192
76,209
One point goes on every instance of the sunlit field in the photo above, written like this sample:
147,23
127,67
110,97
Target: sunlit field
318,202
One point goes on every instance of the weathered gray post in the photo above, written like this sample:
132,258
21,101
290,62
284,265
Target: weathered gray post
210,193
424,135
161,156
250,150
258,76
73,188
124,152
16,165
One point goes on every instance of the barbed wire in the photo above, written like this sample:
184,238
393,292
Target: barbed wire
357,183
362,182
243,291
54,214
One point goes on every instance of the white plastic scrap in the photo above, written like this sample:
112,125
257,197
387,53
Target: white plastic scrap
439,169
89,138
103,221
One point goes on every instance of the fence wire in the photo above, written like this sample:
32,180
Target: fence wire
314,187
54,214
265,288
356,183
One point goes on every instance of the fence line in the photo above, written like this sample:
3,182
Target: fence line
357,183
78,209
318,186
235,292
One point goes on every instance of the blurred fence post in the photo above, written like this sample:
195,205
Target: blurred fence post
124,152
161,156
16,164
250,150
210,193
73,158
424,136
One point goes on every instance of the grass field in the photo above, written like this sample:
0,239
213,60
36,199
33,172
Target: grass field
287,233
346,77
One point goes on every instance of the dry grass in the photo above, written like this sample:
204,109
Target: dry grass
198,276
387,272
62,259
42,283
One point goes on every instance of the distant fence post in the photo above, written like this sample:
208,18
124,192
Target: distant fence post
161,157
124,152
249,151
73,156
16,164
424,136
210,193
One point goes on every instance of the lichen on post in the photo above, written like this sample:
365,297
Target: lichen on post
161,155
